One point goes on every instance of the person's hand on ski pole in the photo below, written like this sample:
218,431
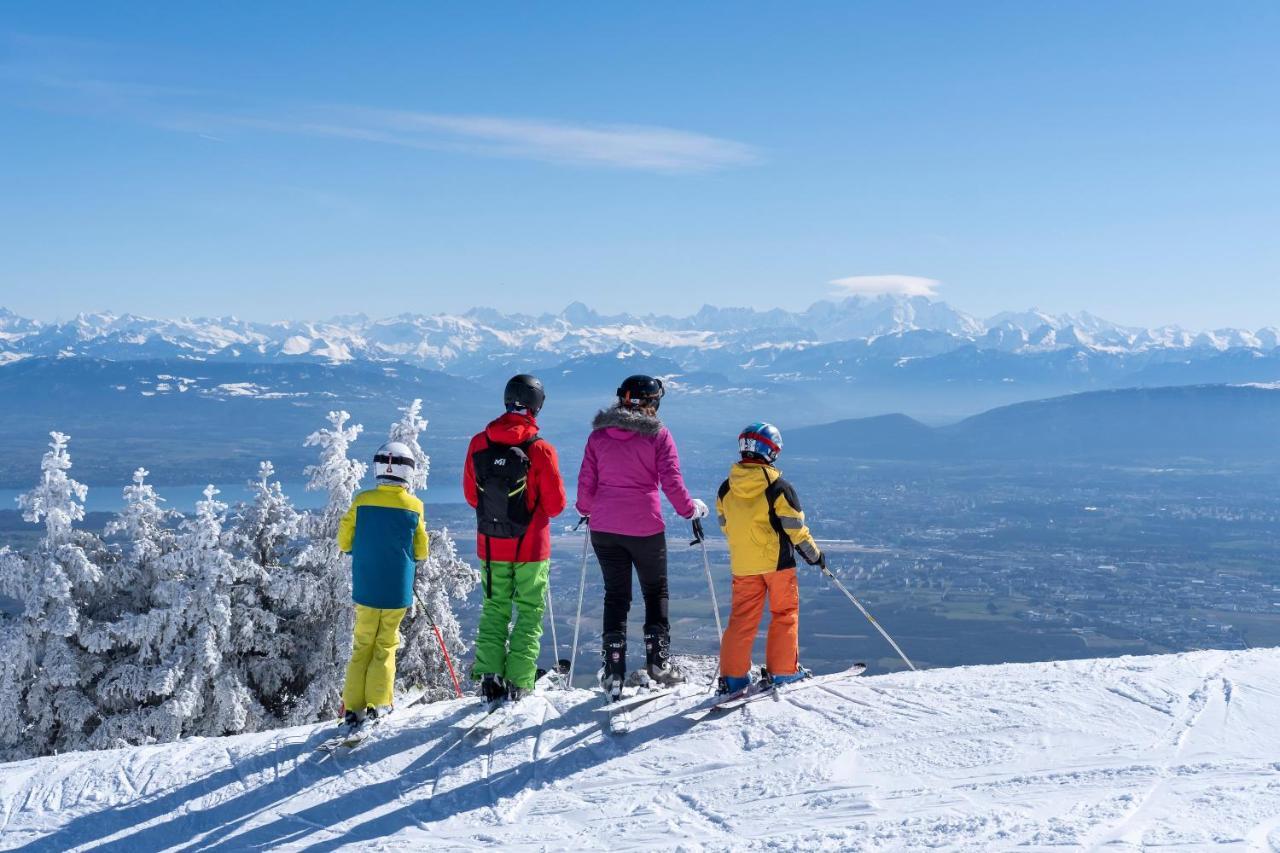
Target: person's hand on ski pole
699,510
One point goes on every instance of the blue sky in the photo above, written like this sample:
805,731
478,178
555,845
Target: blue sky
290,160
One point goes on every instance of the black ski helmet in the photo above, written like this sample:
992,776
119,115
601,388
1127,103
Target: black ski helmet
641,390
524,392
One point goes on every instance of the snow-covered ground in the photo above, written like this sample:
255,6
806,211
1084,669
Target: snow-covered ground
1177,751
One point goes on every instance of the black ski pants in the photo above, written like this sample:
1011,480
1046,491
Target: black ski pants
617,555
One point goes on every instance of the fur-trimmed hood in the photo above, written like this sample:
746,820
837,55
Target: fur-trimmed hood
631,420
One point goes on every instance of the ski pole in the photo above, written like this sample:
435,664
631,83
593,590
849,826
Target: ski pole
582,586
858,604
448,661
551,617
700,538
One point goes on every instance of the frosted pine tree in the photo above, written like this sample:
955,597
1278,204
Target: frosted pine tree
192,641
407,431
48,676
16,658
314,598
136,680
441,577
218,621
145,530
263,533
266,526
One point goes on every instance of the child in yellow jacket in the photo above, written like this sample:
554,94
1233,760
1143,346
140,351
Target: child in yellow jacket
385,533
761,517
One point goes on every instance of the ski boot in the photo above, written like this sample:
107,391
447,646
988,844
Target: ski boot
799,675
514,692
352,722
657,650
732,684
613,667
374,713
493,688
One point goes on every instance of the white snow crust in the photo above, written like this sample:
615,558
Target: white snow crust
1166,752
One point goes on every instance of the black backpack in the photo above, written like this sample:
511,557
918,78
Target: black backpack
502,480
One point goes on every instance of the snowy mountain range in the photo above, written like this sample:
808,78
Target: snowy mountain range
1175,751
207,394
714,338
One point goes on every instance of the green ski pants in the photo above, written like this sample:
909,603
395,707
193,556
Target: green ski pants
502,648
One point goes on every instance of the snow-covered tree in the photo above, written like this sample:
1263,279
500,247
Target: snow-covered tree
266,526
134,681
407,431
218,639
49,673
145,531
314,597
441,577
263,533
16,662
184,658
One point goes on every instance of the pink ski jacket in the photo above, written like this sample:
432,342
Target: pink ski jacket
629,456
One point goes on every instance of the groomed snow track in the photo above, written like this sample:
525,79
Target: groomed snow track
1170,752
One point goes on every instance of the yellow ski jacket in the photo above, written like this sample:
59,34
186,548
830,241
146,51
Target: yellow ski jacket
761,516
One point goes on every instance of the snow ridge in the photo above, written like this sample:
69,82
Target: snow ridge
485,337
1129,752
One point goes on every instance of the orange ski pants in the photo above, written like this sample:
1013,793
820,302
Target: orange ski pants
782,649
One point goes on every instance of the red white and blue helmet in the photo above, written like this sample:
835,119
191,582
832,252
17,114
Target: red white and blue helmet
760,441
394,463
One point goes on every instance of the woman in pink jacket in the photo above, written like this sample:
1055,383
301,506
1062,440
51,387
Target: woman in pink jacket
629,457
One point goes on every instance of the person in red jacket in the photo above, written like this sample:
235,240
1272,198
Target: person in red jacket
512,478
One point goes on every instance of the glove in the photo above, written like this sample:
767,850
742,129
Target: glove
699,509
821,562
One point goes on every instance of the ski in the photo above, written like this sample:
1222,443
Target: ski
619,722
760,690
348,740
480,720
638,699
499,715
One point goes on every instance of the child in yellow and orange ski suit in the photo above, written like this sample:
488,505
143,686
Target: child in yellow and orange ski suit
762,519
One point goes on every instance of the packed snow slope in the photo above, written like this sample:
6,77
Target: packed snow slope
1129,753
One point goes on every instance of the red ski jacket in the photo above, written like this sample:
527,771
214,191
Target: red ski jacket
545,495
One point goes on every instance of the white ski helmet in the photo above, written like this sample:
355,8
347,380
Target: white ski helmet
394,463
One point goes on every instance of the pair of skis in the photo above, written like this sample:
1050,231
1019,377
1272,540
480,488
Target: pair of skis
619,710
493,714
763,689
350,739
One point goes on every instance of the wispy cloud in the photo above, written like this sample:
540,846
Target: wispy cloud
880,285
621,146
60,76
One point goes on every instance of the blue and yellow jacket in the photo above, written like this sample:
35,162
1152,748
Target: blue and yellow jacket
385,532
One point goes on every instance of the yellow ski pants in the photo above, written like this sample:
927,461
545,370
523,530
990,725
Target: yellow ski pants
371,674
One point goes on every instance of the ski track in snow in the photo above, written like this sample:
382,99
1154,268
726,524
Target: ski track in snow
1145,753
